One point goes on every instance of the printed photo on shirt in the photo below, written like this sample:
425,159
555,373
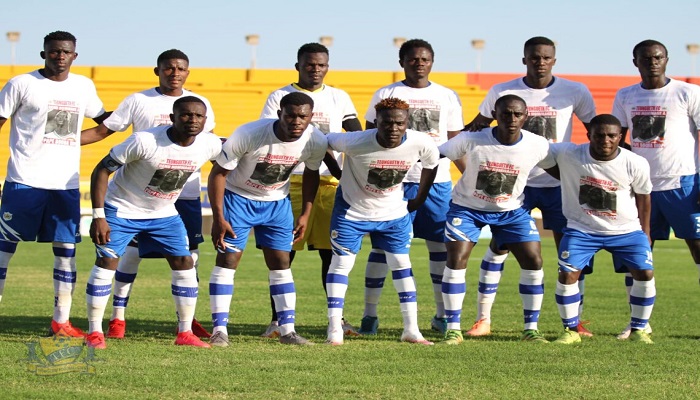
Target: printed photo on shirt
269,174
424,120
495,183
542,126
168,180
61,124
385,178
648,127
597,198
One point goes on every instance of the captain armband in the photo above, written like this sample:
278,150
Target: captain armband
110,164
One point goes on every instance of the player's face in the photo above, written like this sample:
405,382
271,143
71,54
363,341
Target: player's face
651,61
511,116
58,56
391,127
417,63
539,60
189,118
605,140
312,68
293,121
172,74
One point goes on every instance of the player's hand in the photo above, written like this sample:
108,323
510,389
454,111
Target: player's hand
300,228
474,127
219,230
413,205
100,231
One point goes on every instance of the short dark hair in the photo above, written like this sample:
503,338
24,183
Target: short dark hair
172,54
415,44
604,119
188,99
506,98
538,41
647,43
59,36
391,103
309,48
296,99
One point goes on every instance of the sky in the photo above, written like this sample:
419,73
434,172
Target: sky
592,36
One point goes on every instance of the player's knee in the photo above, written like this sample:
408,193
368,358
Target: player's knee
398,261
642,274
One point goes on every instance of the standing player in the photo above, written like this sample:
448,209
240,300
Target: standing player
41,199
436,111
504,154
551,104
605,193
258,159
140,200
371,200
333,112
145,110
664,116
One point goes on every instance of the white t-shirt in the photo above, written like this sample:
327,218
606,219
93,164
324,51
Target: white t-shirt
434,110
598,196
148,109
154,172
663,128
373,176
496,174
331,108
550,113
46,119
261,164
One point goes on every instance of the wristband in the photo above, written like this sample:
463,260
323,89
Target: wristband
98,213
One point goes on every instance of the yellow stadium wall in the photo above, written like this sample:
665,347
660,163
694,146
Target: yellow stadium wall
237,96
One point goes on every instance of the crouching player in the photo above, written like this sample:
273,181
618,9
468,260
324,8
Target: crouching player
606,201
151,170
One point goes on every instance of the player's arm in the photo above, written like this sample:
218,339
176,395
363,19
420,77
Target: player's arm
370,125
623,142
100,119
643,202
99,229
427,176
352,125
554,172
478,123
460,163
332,164
94,134
216,187
309,187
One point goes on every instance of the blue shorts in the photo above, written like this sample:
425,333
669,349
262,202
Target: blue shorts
159,235
577,249
273,222
548,201
516,226
677,209
429,219
191,213
30,214
346,236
